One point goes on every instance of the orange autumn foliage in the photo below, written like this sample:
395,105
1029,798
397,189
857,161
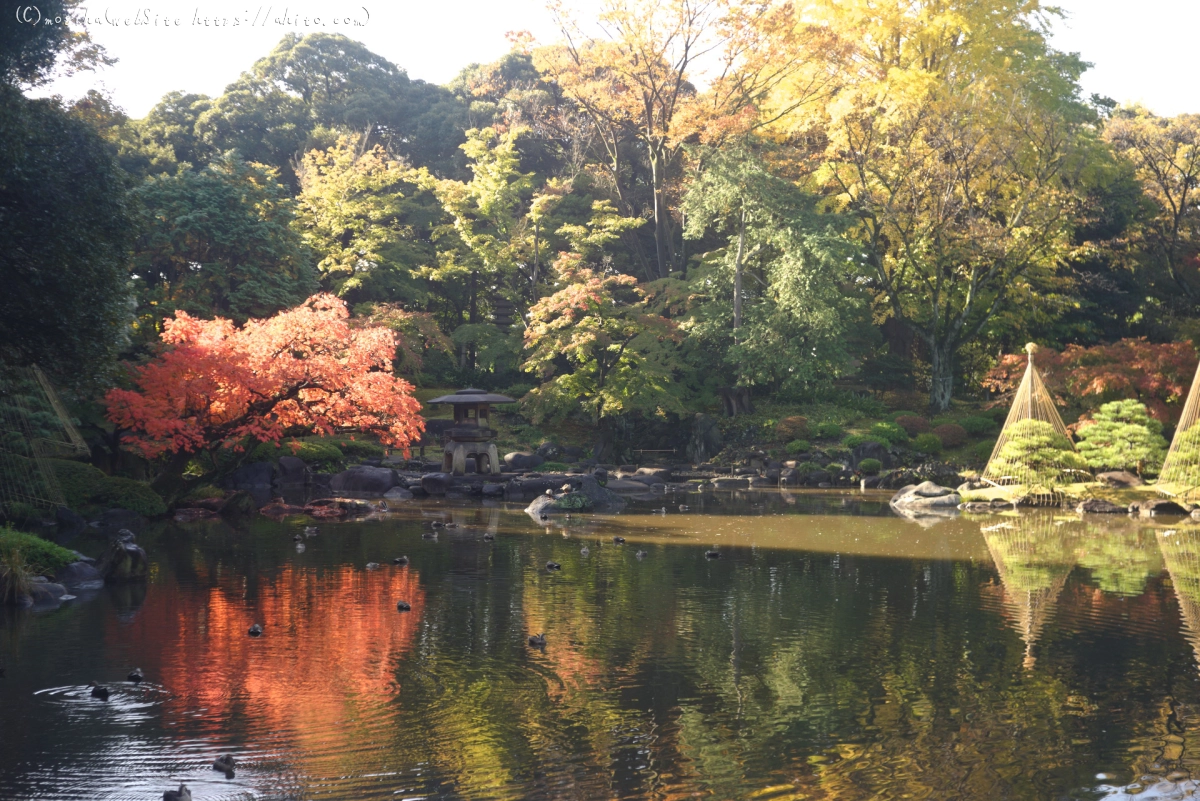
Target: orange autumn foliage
306,369
1158,375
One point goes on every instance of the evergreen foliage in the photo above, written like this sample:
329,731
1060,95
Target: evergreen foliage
1036,456
928,443
1123,436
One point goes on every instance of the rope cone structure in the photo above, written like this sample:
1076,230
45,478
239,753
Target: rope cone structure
1034,453
1033,555
1181,553
34,427
1180,474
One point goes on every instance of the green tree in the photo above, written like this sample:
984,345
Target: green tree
64,244
1035,456
37,39
597,350
369,220
958,140
1123,436
219,241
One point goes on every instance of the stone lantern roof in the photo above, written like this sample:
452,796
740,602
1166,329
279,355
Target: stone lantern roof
473,396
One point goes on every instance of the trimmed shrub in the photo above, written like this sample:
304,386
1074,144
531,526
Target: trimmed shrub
804,468
320,453
912,424
982,451
41,556
834,467
132,495
827,431
888,433
356,448
978,426
79,481
870,467
951,435
798,446
854,440
928,443
205,493
791,428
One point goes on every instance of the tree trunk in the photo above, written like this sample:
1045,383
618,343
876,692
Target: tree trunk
536,262
170,483
660,230
941,385
737,277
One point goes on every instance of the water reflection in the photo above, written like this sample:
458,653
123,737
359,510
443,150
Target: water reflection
849,656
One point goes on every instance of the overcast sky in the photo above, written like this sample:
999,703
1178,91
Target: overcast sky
1143,50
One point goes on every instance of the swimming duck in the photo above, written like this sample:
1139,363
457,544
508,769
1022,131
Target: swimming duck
452,525
256,630
225,763
98,691
136,675
383,507
584,550
618,540
550,493
400,560
641,554
298,538
403,606
489,537
429,535
683,507
182,794
661,511
712,554
537,640
437,524
310,531
553,566
372,565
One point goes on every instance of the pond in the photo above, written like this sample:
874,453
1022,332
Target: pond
832,651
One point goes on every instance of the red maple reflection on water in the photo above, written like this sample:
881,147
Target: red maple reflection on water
332,637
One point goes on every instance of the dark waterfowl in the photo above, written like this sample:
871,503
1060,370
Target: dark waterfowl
429,535
182,794
537,640
225,764
372,565
712,554
584,550
553,566
641,554
298,538
618,540
403,606
683,507
437,524
98,691
136,675
452,525
400,560
256,630
310,531
383,507
489,537
661,511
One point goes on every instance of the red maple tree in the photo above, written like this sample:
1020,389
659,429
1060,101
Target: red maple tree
1158,375
307,369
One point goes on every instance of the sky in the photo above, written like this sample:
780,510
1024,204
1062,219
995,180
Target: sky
1142,50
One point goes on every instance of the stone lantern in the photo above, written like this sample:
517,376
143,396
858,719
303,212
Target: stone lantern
471,436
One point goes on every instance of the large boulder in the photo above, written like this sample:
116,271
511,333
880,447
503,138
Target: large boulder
1099,506
398,494
585,495
364,480
257,479
437,483
124,560
871,450
1158,507
292,471
550,451
79,576
1119,479
926,495
522,460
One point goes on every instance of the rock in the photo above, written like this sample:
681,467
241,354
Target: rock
971,485
789,477
586,495
46,593
1119,479
762,482
936,472
437,483
663,474
278,510
1158,507
69,523
521,460
725,483
926,495
871,450
550,451
112,521
871,482
124,560
627,485
292,470
572,452
239,503
705,439
398,494
817,478
256,479
492,490
79,576
1099,506
772,474
364,480
975,506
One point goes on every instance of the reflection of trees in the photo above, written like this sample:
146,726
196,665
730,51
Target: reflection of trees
1034,554
1120,555
1181,553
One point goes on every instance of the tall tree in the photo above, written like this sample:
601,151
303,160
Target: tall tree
38,38
636,81
219,241
1165,154
957,138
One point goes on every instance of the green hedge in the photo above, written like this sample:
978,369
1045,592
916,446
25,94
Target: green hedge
42,556
826,430
978,426
870,467
888,433
798,446
84,486
928,443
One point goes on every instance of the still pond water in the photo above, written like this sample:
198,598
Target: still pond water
835,651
